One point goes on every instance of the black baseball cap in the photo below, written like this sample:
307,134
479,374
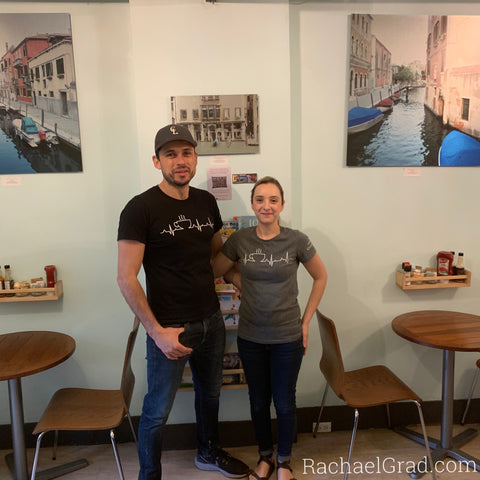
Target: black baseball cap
170,133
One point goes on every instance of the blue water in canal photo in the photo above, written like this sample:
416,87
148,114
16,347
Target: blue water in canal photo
16,157
409,135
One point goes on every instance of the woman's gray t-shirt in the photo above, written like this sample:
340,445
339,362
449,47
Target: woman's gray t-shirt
269,310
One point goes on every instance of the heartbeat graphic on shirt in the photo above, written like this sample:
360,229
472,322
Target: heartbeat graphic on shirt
184,223
261,257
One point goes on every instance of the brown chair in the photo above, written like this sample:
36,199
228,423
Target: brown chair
472,388
75,409
365,387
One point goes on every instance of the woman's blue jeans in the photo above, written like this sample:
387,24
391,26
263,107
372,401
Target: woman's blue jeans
271,372
164,376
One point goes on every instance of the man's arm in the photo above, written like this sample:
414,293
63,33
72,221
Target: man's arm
217,243
221,265
130,257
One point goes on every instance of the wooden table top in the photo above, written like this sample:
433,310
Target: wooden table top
26,353
440,329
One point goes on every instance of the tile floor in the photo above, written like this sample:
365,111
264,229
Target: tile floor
380,446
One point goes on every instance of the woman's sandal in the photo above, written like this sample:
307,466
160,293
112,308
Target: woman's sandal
286,466
271,467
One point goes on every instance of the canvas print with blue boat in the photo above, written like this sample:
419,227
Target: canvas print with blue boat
413,96
39,127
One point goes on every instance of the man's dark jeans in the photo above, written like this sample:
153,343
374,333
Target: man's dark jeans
207,338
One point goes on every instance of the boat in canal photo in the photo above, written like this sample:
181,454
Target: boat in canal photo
459,150
33,134
362,118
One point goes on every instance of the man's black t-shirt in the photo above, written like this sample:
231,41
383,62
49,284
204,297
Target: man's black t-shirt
178,238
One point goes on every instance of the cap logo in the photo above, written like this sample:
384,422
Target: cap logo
173,129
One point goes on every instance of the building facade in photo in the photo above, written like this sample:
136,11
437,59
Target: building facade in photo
219,119
52,77
453,71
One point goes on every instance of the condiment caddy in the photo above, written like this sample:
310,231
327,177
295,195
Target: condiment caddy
449,272
419,283
39,295
30,291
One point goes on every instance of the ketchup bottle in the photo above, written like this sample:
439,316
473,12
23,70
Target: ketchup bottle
444,263
51,275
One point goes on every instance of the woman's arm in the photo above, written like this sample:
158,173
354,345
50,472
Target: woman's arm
318,272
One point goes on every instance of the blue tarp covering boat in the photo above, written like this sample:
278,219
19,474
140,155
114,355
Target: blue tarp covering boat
361,118
459,149
27,130
28,125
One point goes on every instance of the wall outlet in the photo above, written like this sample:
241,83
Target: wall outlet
323,427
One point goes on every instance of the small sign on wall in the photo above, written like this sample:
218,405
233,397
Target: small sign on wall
244,177
219,183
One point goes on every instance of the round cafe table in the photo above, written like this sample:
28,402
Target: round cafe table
450,332
23,354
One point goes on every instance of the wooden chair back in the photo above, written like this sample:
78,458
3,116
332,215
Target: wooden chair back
128,377
331,363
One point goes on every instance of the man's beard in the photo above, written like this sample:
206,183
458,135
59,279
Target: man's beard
170,179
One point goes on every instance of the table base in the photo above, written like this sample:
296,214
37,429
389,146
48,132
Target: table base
49,473
440,453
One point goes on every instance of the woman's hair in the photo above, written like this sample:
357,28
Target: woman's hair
265,180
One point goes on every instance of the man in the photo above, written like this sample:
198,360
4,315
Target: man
173,229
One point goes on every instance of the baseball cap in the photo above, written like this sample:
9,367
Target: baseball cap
170,133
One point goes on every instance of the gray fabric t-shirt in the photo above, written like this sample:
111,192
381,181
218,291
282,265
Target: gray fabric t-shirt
269,310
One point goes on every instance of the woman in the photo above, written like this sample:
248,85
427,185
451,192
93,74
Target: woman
272,334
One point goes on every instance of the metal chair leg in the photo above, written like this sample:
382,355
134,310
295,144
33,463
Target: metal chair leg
472,388
55,445
131,427
389,420
425,439
354,433
117,457
35,458
321,410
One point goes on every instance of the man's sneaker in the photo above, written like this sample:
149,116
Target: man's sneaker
221,461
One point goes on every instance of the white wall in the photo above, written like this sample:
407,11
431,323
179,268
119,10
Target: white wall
364,221
70,220
190,48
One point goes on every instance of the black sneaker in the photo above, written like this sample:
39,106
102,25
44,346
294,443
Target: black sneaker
221,461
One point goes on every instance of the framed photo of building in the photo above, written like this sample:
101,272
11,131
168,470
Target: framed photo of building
412,91
221,124
39,126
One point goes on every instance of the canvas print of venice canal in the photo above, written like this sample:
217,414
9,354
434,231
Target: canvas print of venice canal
413,91
39,127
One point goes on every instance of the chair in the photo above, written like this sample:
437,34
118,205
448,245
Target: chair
75,409
472,388
365,387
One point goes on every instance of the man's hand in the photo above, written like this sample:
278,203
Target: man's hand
166,340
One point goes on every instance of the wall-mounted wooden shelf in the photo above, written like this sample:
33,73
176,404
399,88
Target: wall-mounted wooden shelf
440,281
52,293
